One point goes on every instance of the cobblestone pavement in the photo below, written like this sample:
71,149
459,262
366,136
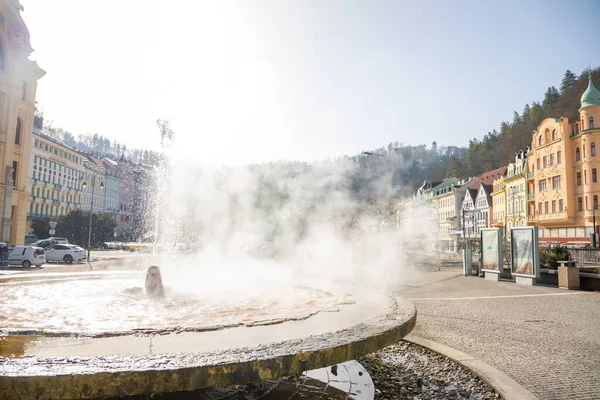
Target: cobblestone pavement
546,339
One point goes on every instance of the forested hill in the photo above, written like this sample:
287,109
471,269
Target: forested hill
497,148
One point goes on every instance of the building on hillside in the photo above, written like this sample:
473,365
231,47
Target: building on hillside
516,190
563,194
499,203
18,86
94,179
54,177
477,205
112,186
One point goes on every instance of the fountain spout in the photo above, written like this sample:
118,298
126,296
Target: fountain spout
154,284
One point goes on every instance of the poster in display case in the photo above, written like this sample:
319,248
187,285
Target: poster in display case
525,251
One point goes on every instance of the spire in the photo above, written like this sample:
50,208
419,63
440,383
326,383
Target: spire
591,96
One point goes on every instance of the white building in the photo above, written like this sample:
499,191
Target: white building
94,184
112,188
55,175
448,200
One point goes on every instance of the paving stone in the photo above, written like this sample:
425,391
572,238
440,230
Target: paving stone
548,343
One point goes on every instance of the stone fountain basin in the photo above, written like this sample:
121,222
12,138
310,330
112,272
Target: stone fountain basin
50,365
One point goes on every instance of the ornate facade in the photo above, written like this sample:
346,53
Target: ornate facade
18,86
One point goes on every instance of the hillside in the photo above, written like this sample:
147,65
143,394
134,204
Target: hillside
497,148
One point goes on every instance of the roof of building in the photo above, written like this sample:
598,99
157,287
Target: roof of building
591,96
40,132
488,178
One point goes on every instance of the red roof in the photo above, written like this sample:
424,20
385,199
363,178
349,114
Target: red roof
488,178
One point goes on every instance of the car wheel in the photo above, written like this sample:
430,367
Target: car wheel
26,264
68,259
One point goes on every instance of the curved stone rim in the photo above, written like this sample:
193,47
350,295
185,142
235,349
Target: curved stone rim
120,375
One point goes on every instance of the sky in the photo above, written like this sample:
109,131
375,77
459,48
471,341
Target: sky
254,81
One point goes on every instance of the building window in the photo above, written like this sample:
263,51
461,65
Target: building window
577,154
591,122
545,161
595,202
14,173
556,182
560,205
542,185
552,159
585,176
24,91
593,149
558,157
582,125
553,206
554,134
579,179
594,176
18,131
540,207
546,207
580,204
539,164
541,140
586,203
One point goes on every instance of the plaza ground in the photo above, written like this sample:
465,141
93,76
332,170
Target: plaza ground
547,339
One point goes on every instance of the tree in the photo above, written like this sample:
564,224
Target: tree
568,80
526,114
74,227
550,98
40,228
457,169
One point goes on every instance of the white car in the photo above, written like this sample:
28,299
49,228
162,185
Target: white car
26,256
64,252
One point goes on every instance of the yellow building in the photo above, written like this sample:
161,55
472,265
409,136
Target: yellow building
18,85
516,192
563,178
498,203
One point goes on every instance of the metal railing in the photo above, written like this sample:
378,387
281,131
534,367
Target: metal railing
585,257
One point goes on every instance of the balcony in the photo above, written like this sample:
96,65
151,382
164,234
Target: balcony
553,217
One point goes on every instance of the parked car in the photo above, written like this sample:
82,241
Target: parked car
50,241
4,250
30,239
64,252
27,256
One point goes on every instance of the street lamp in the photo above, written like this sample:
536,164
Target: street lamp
93,185
594,208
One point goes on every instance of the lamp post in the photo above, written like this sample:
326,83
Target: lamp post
93,185
594,207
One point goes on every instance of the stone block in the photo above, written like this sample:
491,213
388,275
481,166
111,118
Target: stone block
568,277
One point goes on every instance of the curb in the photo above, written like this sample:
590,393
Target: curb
506,386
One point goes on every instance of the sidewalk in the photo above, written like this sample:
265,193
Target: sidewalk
544,338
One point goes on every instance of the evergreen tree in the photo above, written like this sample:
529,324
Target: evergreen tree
526,114
568,80
456,169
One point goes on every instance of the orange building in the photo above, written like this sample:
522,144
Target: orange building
563,174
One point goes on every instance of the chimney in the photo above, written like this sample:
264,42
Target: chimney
38,121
